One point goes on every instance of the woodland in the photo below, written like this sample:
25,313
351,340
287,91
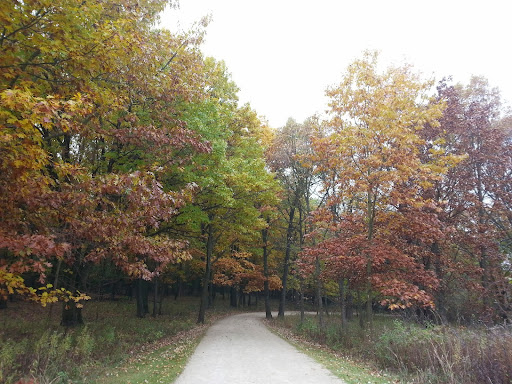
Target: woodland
129,169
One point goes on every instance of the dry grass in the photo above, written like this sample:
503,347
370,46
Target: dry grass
422,355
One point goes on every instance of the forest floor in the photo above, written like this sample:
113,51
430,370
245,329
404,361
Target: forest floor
240,349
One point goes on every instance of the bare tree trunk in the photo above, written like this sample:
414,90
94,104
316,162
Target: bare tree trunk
440,294
360,309
160,302
343,303
71,314
264,236
207,273
289,239
233,297
319,294
371,221
72,311
301,300
155,297
141,295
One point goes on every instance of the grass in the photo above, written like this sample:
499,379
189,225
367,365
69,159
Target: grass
33,346
348,368
162,365
116,347
415,353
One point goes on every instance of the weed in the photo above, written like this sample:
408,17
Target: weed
11,358
34,347
422,354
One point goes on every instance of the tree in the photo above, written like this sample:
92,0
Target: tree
232,182
473,195
89,115
286,157
370,159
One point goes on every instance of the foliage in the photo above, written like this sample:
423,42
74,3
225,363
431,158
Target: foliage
377,226
287,156
341,361
127,157
474,201
88,111
447,354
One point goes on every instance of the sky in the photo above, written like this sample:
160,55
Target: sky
284,54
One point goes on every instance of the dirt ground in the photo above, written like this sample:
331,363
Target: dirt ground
240,349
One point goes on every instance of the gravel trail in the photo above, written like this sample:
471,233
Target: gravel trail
239,349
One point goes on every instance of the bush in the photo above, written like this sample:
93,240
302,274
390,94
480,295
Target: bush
424,354
448,354
11,356
51,352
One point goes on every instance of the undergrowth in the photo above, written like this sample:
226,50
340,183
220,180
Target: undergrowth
421,354
34,348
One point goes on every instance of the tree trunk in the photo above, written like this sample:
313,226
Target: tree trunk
343,303
207,274
440,294
371,222
211,291
179,289
160,302
301,300
233,297
369,309
484,259
289,239
71,314
350,306
141,296
242,297
360,307
319,294
264,236
155,297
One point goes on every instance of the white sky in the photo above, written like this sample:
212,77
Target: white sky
283,54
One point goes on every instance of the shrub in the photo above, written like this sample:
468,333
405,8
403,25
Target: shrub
51,352
11,355
424,354
33,347
448,354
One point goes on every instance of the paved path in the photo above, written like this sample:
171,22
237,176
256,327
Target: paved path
240,349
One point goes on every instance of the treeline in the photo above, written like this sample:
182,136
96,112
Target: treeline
125,156
127,159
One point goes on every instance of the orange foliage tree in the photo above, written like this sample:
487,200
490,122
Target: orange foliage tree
89,118
377,226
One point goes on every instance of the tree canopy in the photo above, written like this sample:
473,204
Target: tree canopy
126,152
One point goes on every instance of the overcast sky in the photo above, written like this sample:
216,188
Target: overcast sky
283,54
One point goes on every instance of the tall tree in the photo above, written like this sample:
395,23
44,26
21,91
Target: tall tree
372,167
286,157
232,182
88,109
474,199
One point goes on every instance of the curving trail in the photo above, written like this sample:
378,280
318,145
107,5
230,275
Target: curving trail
240,349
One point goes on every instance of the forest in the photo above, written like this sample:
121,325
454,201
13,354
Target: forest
130,171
